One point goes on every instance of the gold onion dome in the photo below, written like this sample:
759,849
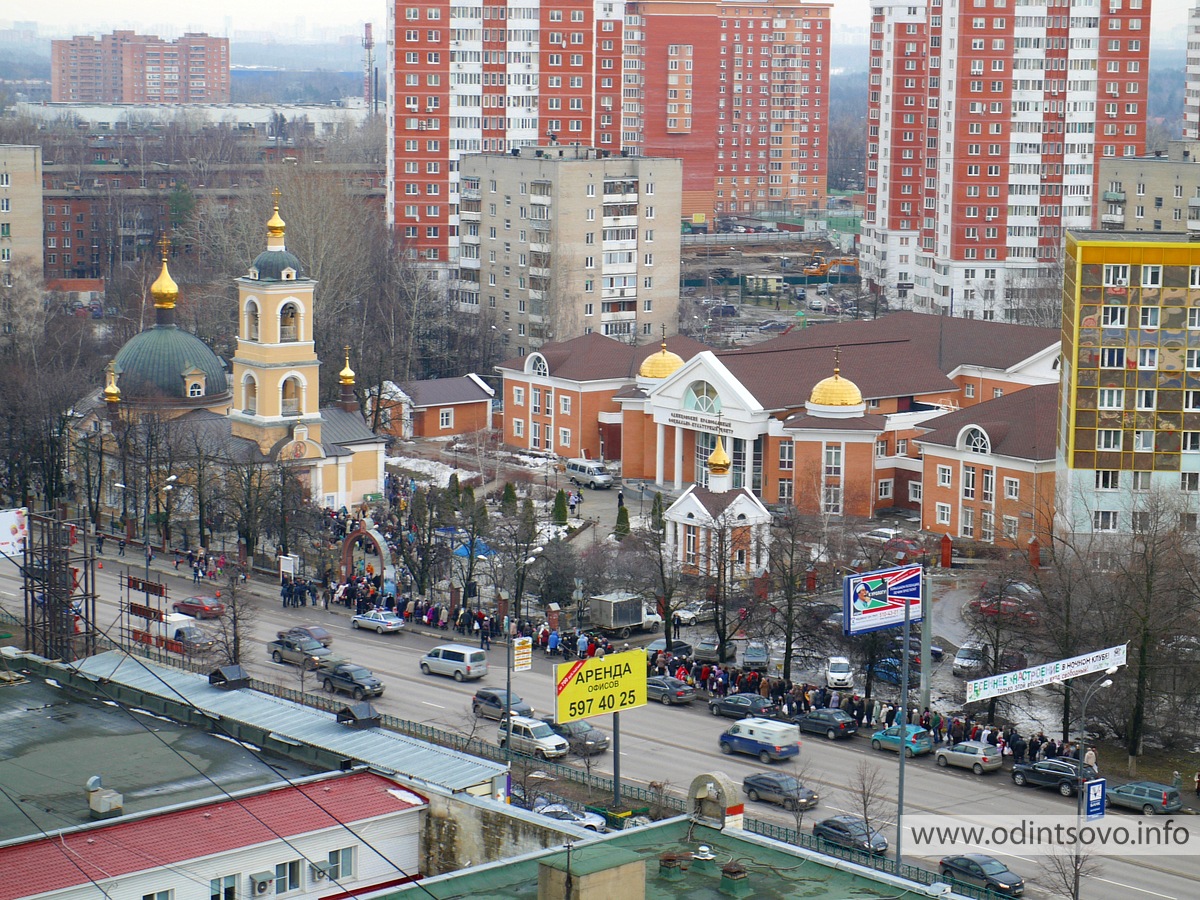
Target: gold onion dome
346,376
719,461
112,393
660,364
164,290
835,391
275,225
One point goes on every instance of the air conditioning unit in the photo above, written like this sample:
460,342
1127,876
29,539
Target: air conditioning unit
261,883
320,871
1122,282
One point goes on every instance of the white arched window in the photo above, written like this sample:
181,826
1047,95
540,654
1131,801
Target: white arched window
702,397
976,441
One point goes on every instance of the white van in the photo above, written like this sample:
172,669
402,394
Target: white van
767,739
460,662
589,472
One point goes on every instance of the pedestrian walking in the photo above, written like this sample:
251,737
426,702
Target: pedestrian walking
121,547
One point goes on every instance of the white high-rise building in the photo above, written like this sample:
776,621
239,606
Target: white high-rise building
986,121
1191,97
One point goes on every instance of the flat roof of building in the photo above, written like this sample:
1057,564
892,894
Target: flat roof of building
52,741
1145,237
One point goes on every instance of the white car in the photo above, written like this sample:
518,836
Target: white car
839,673
881,535
968,660
378,621
686,617
564,813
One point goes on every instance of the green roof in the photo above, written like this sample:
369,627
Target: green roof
271,263
152,364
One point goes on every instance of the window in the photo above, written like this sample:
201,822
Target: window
1151,276
884,489
518,428
341,864
942,513
224,888
1148,358
1112,357
968,486
914,491
1143,441
987,526
1009,524
1189,482
1104,520
976,441
1108,480
287,877
1012,489
1149,316
1111,398
1193,359
1108,439
966,525
880,449
833,461
902,446
1113,316
787,456
1191,442
518,396
944,475
1116,275
968,391
159,895
564,404
1146,398
989,485
445,418
1141,481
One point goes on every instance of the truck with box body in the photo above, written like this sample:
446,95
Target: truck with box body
622,613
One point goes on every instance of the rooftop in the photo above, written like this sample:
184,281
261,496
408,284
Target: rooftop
52,741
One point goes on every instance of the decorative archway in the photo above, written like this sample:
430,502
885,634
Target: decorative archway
373,535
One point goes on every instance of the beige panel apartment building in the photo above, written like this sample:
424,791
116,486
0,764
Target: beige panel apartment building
562,241
1157,192
20,208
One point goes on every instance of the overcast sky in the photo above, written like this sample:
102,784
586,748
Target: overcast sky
297,18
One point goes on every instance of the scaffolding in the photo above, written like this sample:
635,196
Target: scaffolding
59,580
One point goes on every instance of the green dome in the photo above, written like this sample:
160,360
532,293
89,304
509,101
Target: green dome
153,364
271,263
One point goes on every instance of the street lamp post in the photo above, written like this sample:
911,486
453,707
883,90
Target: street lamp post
1093,688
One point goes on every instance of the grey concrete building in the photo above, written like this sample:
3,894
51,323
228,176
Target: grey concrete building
562,241
1156,192
20,208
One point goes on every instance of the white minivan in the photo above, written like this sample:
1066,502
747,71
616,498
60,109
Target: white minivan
460,662
589,472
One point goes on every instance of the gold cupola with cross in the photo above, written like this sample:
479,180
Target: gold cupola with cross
276,394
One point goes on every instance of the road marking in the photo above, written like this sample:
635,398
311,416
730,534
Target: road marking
1121,884
434,705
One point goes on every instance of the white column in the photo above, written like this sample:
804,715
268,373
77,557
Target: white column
660,437
678,457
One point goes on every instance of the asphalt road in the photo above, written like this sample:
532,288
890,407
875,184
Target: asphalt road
687,737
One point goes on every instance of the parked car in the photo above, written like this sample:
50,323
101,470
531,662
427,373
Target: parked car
589,820
1013,590
852,833
740,706
982,871
914,646
678,648
880,535
686,616
378,621
833,723
1016,611
200,607
801,293
1061,773
1150,797
774,326
916,740
978,756
313,632
584,738
708,649
816,304
776,787
890,670
669,691
456,660
901,550
531,737
838,672
969,660
756,656
723,310
491,704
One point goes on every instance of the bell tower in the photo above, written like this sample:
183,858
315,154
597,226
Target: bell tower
275,386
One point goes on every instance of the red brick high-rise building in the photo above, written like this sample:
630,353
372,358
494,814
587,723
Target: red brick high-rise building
737,92
987,121
124,67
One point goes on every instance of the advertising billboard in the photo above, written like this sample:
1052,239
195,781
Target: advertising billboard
875,600
593,687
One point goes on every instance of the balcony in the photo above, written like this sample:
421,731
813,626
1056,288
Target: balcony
539,199
289,407
287,333
1114,197
1112,219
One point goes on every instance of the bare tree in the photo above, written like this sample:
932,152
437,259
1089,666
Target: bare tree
868,795
241,615
1064,870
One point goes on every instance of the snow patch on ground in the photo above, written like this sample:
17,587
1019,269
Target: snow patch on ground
429,470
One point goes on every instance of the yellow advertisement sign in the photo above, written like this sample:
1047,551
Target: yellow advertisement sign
594,687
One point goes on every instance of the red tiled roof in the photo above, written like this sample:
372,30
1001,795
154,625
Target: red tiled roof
595,357
75,284
155,841
1020,424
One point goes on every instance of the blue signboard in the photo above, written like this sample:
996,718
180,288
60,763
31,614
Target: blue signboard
1094,798
875,600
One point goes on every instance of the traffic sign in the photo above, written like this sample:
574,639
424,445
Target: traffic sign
522,654
1095,798
593,687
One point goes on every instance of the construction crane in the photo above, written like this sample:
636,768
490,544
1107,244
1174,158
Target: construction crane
368,43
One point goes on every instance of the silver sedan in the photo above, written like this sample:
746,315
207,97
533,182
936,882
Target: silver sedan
978,756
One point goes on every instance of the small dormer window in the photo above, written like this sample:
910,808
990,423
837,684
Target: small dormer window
976,441
196,389
289,275
254,272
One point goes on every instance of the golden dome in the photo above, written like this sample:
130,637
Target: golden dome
719,461
836,391
275,224
346,376
112,393
164,290
660,364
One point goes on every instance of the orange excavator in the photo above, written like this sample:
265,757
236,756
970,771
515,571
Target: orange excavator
838,265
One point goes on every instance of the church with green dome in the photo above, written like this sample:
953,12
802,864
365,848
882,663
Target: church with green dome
175,423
